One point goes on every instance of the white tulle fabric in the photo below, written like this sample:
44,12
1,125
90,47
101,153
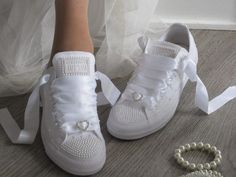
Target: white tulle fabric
25,43
26,34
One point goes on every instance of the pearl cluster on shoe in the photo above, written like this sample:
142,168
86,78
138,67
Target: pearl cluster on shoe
198,146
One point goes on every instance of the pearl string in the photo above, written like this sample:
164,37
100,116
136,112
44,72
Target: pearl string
205,167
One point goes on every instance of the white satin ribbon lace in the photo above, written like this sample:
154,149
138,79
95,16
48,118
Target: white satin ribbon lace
153,74
32,111
151,79
201,97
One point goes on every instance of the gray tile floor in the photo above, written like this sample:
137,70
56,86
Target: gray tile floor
151,156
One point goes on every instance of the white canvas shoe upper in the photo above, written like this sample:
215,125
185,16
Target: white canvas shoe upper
70,126
153,92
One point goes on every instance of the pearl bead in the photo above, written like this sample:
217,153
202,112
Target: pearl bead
200,145
217,161
213,148
182,148
193,145
187,147
185,163
180,160
218,152
199,166
207,166
177,155
192,166
207,146
178,151
213,165
218,157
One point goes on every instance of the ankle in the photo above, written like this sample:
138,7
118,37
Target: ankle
84,45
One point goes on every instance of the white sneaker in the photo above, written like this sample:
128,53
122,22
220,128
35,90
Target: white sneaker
153,92
70,126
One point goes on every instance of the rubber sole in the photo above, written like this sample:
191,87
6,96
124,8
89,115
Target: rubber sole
137,136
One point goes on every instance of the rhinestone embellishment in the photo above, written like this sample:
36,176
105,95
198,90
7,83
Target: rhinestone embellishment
83,125
137,96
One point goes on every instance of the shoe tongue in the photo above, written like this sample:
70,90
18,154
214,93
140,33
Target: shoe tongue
163,48
74,64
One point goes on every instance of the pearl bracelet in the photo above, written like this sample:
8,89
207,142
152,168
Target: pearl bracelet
198,146
202,173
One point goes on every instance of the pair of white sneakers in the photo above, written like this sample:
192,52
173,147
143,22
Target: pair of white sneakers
70,125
